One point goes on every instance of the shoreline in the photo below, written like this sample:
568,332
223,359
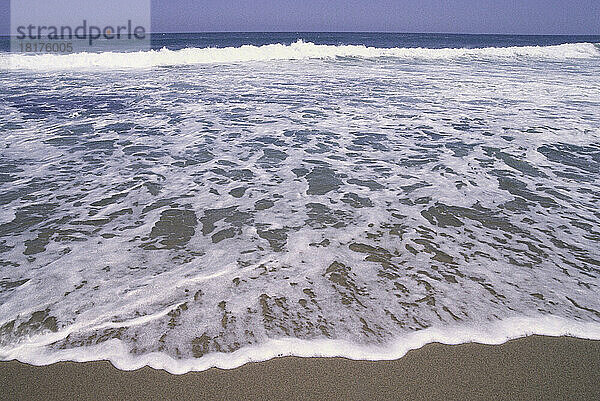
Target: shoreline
535,367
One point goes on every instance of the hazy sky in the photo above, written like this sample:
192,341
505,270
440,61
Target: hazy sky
452,16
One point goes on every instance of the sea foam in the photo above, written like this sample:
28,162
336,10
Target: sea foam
196,217
34,352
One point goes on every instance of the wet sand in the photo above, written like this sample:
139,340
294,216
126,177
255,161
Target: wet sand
529,368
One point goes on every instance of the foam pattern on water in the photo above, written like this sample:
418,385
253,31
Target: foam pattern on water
209,215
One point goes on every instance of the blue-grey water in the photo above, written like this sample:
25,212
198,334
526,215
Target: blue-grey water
177,41
233,197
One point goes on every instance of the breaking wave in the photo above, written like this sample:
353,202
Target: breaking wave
299,50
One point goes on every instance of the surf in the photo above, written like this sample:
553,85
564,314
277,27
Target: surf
298,50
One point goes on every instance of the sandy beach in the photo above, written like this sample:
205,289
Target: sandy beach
535,367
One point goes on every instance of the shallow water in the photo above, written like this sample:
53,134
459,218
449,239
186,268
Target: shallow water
350,200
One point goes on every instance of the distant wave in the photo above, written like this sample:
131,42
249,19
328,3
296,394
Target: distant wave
299,50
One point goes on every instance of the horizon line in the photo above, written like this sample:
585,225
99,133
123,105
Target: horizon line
370,32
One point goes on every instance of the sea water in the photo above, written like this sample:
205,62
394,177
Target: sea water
226,198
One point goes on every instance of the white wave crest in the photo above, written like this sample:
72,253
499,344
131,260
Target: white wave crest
296,51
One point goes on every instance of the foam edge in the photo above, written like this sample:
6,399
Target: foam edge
492,333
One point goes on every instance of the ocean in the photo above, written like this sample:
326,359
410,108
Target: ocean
234,197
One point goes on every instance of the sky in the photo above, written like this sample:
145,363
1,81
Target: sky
444,16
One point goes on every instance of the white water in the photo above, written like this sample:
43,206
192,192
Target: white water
296,51
386,203
33,352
